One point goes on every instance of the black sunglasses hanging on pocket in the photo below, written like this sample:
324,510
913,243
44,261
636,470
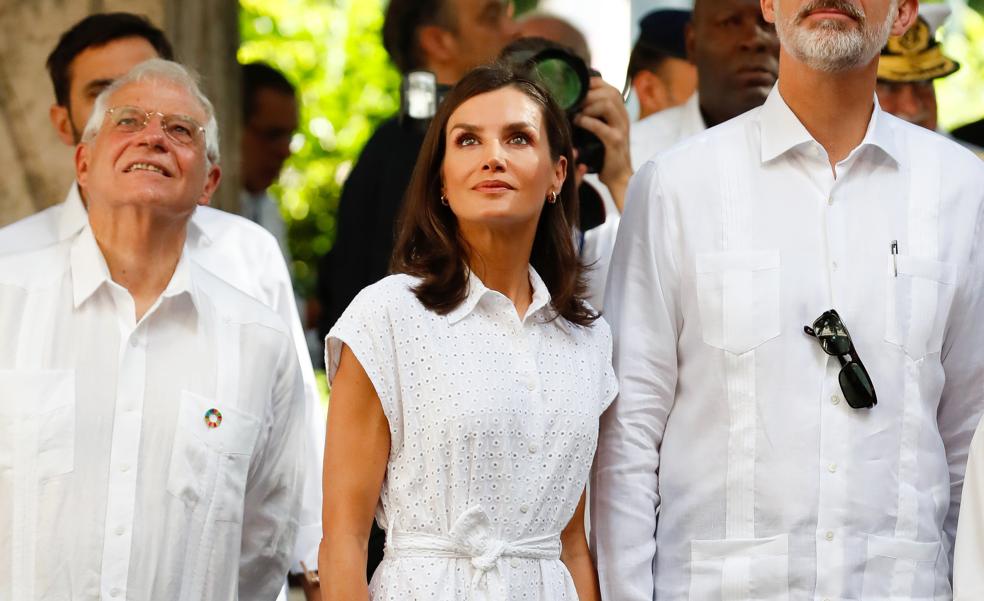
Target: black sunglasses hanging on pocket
835,340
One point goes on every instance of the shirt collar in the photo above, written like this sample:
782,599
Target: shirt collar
692,110
90,272
73,216
477,291
782,130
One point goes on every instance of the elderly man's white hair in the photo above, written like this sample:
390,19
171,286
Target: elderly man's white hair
158,69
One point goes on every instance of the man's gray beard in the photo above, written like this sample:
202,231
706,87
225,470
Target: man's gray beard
832,46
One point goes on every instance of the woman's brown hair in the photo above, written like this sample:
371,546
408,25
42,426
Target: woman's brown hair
429,244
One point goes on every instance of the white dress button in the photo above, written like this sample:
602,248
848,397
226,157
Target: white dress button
832,468
120,530
829,535
534,449
125,467
514,562
134,342
835,399
530,385
524,508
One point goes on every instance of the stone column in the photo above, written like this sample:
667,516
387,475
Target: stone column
35,167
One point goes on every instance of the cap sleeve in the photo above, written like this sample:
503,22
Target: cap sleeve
365,327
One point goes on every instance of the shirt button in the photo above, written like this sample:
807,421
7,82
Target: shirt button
534,449
530,385
524,508
120,530
832,468
514,562
835,399
829,535
125,467
134,342
830,200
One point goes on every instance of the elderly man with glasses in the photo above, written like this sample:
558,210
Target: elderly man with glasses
151,416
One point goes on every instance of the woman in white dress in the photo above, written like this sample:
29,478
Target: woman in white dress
467,388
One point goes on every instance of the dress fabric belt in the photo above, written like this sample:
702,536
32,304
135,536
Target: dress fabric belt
471,537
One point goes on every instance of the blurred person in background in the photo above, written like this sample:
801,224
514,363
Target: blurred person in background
660,73
736,53
91,55
541,24
466,389
446,38
908,68
270,116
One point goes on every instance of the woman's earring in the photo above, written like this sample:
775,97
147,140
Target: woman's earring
551,197
444,200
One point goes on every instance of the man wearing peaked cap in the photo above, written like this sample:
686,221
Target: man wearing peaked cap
908,65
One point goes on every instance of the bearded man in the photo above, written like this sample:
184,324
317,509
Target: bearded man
797,297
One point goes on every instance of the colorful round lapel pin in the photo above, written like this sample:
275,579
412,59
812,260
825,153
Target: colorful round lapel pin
213,417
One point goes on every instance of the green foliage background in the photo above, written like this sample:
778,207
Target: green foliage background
332,51
961,95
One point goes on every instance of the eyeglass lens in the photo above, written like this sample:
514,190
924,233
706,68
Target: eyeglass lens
179,128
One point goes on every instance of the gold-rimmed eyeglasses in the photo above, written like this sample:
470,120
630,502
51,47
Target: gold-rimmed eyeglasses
179,128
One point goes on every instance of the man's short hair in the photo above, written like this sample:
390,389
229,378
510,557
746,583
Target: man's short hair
98,30
157,69
258,76
404,18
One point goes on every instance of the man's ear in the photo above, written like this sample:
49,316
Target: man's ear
651,91
908,11
82,165
212,179
769,10
62,122
437,44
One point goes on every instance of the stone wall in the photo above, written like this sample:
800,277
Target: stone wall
35,167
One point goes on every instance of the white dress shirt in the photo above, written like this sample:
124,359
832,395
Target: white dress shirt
731,424
246,256
262,210
663,129
968,557
493,423
647,137
112,483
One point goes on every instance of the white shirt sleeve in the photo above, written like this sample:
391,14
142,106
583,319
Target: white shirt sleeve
962,400
272,501
641,308
968,578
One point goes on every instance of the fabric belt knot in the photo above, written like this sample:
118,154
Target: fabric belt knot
471,537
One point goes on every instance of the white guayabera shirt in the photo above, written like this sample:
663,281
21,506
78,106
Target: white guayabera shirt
245,255
158,459
731,424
